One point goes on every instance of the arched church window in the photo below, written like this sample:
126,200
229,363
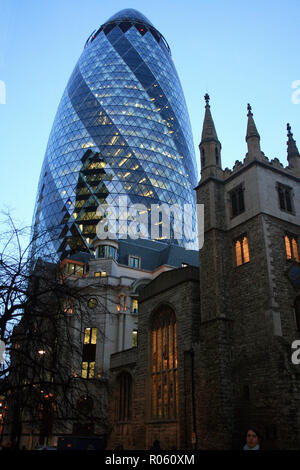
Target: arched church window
164,391
285,194
241,250
291,247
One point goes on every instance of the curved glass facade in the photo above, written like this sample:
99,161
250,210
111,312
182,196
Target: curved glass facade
121,129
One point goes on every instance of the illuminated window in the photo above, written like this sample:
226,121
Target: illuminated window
100,274
92,303
241,250
134,338
237,201
121,306
164,390
135,306
74,269
68,306
89,353
291,248
124,396
285,197
134,261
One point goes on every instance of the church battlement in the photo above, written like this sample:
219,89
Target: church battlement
210,151
274,163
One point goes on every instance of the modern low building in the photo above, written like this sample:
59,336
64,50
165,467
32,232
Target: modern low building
112,281
80,311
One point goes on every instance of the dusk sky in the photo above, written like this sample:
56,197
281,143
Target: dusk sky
238,52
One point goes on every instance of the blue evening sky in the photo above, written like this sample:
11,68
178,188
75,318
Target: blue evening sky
238,52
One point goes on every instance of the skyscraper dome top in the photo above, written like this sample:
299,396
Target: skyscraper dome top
129,14
121,134
125,19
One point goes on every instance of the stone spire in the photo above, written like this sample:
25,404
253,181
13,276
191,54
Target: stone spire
293,155
252,137
209,131
210,146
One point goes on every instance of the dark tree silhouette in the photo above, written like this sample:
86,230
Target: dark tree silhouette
44,309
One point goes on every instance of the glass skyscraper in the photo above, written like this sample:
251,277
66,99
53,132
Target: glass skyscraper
122,129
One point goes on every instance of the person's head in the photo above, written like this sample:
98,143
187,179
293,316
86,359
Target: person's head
253,438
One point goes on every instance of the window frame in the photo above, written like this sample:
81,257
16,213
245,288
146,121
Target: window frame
100,274
92,303
236,192
134,310
74,269
163,366
134,257
68,306
122,303
291,237
134,338
106,252
283,203
240,239
88,350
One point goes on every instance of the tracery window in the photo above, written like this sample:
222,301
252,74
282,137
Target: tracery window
237,200
285,195
164,389
241,250
291,247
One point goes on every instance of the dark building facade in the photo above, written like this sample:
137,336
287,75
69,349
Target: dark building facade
229,365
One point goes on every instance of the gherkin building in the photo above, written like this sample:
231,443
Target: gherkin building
122,129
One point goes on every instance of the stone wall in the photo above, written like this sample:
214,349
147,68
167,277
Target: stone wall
184,300
244,375
234,339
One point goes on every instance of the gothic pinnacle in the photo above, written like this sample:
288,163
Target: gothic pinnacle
208,132
251,127
291,143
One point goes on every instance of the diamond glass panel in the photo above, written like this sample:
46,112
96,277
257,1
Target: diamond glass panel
122,129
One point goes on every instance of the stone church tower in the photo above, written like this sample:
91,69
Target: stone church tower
248,294
214,352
